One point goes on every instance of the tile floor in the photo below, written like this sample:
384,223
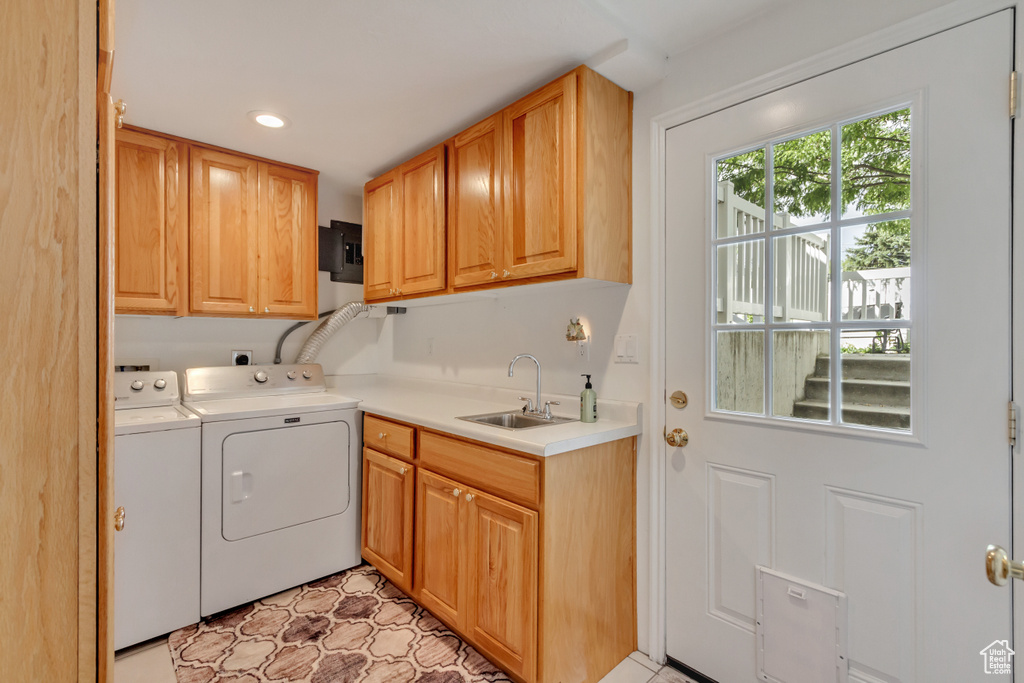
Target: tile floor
151,663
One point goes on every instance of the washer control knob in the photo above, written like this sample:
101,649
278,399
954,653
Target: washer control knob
291,374
137,385
160,383
261,376
307,374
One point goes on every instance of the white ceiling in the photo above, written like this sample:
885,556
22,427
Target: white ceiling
367,84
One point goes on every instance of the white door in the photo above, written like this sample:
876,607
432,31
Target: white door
892,499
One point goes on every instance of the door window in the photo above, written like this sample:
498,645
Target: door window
812,244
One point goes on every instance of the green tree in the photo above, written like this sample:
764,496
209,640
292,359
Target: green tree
875,179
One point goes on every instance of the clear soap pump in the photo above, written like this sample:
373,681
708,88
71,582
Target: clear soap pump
588,402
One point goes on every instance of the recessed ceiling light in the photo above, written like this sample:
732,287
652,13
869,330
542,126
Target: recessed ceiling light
268,119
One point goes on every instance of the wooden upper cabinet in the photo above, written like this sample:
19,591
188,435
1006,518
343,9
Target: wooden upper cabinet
151,225
423,235
287,242
539,145
404,229
475,204
225,233
380,237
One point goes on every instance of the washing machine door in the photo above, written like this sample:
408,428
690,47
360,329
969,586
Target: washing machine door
280,477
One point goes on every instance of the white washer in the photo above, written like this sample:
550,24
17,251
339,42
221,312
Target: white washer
280,480
156,483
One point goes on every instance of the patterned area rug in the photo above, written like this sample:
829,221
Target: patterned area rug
353,626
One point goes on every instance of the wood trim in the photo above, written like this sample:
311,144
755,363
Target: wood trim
105,369
222,150
587,619
104,50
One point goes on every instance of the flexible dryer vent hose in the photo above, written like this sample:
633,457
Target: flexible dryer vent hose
325,330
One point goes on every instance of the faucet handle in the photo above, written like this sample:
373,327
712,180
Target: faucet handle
547,407
528,408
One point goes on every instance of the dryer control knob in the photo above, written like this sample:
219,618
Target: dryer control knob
291,374
160,383
260,376
137,385
307,374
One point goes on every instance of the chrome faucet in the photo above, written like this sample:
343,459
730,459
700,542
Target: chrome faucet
531,407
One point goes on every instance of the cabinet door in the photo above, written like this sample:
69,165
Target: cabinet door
388,486
288,242
224,233
151,225
501,581
380,237
474,204
421,247
539,158
439,547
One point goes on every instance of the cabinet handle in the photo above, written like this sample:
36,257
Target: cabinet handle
456,493
119,519
382,436
252,310
469,497
505,274
402,470
120,106
266,309
493,275
391,291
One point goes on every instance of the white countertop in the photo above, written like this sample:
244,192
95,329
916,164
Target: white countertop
436,405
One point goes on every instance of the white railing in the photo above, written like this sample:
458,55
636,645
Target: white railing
801,266
877,294
801,273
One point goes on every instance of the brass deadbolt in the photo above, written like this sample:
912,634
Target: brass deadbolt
678,400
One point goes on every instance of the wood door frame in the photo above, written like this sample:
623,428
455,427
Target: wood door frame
911,30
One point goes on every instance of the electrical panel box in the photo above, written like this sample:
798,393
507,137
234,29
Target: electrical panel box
341,251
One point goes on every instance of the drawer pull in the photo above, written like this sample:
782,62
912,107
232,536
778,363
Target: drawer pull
382,436
456,493
469,497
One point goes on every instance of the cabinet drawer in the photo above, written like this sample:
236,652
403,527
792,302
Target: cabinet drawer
509,476
389,437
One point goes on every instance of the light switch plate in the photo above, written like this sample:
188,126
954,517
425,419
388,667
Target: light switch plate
626,348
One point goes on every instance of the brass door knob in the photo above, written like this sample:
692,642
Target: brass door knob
119,519
1000,568
677,438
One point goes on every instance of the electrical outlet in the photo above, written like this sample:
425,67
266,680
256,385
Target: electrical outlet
241,357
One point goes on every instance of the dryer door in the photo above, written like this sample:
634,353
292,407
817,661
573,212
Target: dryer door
277,478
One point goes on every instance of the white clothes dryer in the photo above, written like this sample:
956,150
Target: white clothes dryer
280,480
156,493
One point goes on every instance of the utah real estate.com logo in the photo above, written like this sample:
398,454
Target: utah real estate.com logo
998,658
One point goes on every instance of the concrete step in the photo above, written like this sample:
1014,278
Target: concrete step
887,417
885,366
865,391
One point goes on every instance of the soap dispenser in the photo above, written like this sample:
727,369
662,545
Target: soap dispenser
588,402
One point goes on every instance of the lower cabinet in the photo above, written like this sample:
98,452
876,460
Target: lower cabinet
387,516
531,560
476,568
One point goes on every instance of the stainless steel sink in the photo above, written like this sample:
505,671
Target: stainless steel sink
515,419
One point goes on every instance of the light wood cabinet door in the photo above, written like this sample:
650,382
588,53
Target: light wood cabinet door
151,225
501,581
474,204
224,233
539,155
380,237
440,546
287,242
422,245
387,540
